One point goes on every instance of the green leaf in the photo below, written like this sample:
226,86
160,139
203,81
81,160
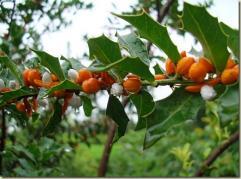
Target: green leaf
136,66
233,38
87,105
206,29
158,69
128,64
15,94
75,64
12,67
144,104
64,85
105,51
135,46
116,112
23,151
154,32
50,62
169,112
53,121
228,104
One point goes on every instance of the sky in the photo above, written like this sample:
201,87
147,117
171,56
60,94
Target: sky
94,22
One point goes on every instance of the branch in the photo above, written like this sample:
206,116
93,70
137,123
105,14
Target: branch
161,13
216,153
107,150
11,18
108,147
3,138
164,10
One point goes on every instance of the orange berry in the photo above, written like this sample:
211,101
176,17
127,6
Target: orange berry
229,76
160,77
183,54
194,88
59,93
209,67
184,64
170,67
27,106
25,76
132,84
133,76
230,64
32,75
213,82
67,99
105,80
3,90
54,78
197,72
91,86
20,106
84,74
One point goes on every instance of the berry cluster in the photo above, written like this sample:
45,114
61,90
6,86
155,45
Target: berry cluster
201,72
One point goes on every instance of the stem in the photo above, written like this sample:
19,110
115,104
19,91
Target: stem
107,150
11,17
106,68
108,147
216,153
164,10
3,138
168,82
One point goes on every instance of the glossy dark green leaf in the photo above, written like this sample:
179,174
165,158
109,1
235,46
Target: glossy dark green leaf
129,65
51,124
228,104
233,38
50,62
75,64
87,105
15,94
105,51
136,66
64,85
144,104
206,29
154,32
158,69
12,67
134,46
116,112
169,112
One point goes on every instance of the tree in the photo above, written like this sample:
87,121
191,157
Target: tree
212,77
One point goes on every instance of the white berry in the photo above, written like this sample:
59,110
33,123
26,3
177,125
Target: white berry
13,84
75,101
116,89
2,84
208,92
73,75
46,78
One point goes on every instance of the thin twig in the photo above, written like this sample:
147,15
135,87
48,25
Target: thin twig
12,14
103,166
3,138
216,153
